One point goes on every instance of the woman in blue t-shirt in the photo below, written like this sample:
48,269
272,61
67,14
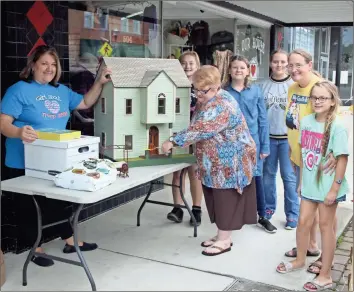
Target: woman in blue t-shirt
39,101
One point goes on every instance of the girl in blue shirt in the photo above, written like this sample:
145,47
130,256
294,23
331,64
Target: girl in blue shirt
39,101
251,101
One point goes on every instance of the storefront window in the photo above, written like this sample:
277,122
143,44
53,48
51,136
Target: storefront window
346,61
253,43
207,37
112,29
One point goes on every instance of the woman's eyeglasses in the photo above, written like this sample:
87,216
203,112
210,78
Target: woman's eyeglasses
196,91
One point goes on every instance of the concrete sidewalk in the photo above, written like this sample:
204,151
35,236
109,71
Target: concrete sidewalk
161,255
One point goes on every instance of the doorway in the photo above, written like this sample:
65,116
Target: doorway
322,50
154,140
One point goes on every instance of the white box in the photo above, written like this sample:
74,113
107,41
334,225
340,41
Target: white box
44,155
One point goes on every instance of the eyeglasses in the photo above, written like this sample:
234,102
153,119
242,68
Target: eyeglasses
196,91
321,99
296,66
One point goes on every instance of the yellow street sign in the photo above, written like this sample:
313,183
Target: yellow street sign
106,50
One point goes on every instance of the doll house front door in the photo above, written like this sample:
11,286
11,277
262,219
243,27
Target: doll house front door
154,140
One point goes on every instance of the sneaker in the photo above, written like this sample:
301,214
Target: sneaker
197,215
290,225
176,215
268,227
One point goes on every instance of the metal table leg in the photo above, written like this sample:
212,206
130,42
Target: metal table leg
78,250
186,206
33,249
40,227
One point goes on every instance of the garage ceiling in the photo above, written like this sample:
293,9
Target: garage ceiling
288,11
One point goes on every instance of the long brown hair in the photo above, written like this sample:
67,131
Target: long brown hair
331,116
244,60
27,74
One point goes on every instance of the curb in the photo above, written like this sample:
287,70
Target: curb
342,259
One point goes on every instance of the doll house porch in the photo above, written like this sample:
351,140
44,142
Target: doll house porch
146,102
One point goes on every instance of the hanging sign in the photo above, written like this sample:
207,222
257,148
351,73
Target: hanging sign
106,50
253,69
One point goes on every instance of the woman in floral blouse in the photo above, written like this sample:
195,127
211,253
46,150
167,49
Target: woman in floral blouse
226,158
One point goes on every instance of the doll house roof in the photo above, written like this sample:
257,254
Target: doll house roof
140,72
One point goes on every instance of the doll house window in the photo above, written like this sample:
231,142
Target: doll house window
128,106
103,105
161,106
128,142
178,105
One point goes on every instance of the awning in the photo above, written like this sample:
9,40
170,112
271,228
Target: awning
289,12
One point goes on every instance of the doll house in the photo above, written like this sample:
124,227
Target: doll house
146,102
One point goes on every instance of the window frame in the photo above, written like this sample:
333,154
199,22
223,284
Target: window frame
127,106
159,106
125,142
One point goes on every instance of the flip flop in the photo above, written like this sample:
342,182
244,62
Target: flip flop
317,264
288,268
293,253
317,286
212,240
222,250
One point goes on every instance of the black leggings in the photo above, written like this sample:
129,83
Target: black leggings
52,211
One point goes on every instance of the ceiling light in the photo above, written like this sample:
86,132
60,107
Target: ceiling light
133,14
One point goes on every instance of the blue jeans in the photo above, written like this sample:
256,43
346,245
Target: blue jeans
261,207
279,151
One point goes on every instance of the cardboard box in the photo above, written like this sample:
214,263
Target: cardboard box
2,269
58,135
42,156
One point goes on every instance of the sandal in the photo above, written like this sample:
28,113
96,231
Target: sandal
288,267
210,242
293,253
316,264
221,251
314,285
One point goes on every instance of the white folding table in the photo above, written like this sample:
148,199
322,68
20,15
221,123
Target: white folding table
40,187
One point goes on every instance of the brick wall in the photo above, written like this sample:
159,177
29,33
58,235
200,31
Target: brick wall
18,37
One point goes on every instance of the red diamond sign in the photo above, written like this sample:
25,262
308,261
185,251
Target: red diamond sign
40,17
38,43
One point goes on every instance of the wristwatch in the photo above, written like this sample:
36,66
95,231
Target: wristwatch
172,140
339,181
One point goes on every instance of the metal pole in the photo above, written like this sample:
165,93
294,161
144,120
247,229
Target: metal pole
339,57
235,36
161,29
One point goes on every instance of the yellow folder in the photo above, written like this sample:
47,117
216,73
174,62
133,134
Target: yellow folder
58,135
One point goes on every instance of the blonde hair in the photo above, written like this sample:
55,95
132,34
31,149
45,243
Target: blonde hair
332,114
207,75
308,58
192,54
243,59
27,74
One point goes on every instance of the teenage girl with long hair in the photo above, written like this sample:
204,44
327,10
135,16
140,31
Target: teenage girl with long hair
275,91
251,101
190,63
320,133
